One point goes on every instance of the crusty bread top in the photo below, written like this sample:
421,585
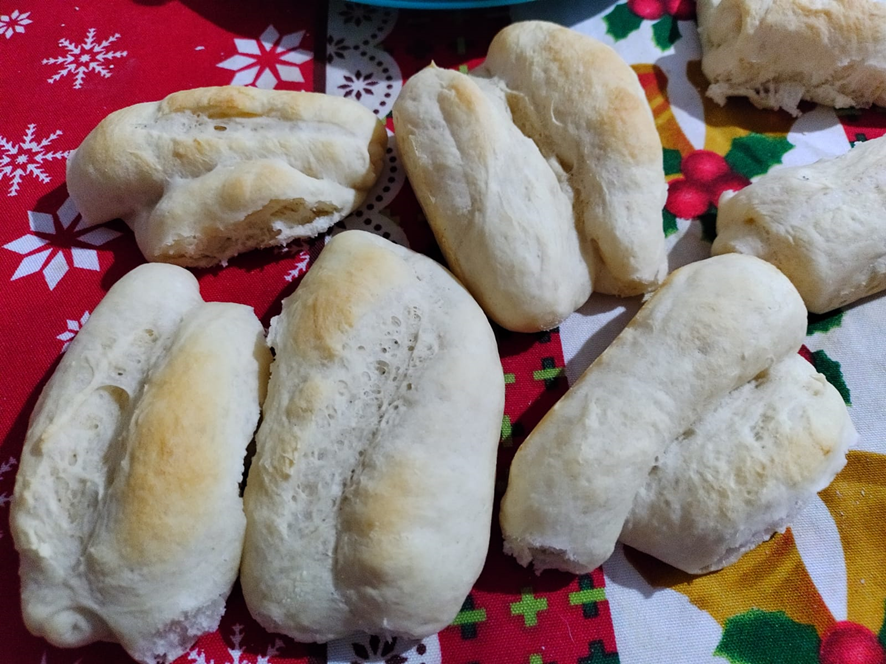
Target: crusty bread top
744,469
256,167
127,514
375,461
822,224
584,107
508,232
711,327
778,52
540,173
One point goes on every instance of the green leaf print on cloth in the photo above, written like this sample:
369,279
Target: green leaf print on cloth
755,154
665,32
768,637
771,637
626,18
824,322
669,223
830,369
621,22
672,160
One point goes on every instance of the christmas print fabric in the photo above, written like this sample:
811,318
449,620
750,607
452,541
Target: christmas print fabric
816,593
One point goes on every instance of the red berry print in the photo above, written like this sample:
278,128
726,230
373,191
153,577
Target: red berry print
727,182
850,643
651,10
707,176
685,199
704,166
806,354
682,10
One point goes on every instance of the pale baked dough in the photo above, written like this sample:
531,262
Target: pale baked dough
540,174
126,513
710,328
823,225
743,471
779,52
369,499
209,173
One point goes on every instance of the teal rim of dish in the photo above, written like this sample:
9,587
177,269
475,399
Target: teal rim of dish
440,4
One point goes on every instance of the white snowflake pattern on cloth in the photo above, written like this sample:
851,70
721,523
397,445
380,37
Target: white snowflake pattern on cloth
268,60
87,56
236,654
73,328
27,158
302,262
365,649
5,467
14,22
49,244
357,66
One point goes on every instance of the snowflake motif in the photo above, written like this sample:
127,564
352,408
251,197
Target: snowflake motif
197,656
14,22
266,61
356,14
373,649
54,238
377,649
358,85
27,158
302,262
73,328
5,467
85,57
335,49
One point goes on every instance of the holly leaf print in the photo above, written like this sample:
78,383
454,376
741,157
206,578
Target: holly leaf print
768,637
672,160
669,223
823,322
831,370
621,22
755,154
665,32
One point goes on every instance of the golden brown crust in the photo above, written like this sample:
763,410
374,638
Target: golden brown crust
540,174
376,455
127,514
209,173
711,327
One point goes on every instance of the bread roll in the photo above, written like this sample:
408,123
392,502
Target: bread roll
743,471
709,329
369,499
779,52
507,231
209,173
541,174
823,225
126,513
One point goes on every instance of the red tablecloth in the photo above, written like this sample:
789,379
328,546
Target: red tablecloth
66,66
